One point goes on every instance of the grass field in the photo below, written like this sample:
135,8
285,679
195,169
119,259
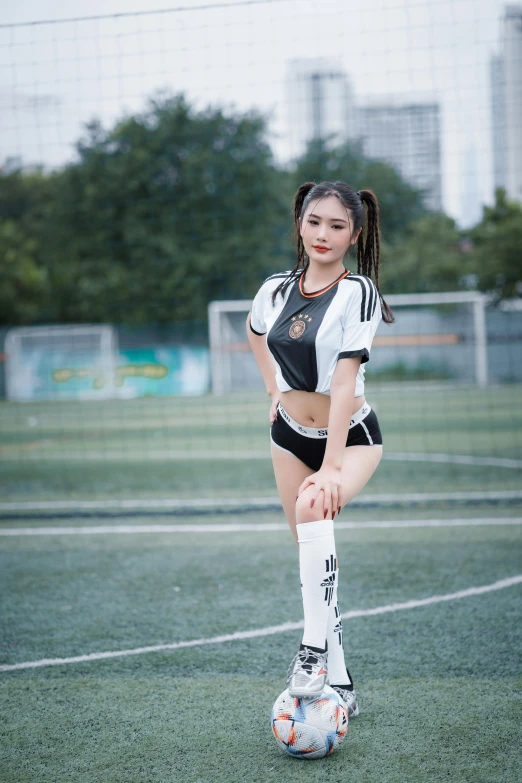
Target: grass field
219,447
151,648
440,685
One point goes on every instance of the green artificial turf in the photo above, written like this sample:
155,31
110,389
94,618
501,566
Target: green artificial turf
226,479
219,446
439,685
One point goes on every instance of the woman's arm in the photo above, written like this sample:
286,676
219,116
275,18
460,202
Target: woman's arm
266,366
328,477
342,393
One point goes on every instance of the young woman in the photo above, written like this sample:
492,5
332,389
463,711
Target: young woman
311,331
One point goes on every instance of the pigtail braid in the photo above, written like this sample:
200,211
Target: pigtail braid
302,260
368,252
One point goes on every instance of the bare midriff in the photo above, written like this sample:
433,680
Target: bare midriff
312,409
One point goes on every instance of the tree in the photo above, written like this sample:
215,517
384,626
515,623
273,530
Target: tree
495,258
22,281
427,257
166,211
172,208
399,202
24,199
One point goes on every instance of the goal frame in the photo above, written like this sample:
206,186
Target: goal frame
108,356
220,357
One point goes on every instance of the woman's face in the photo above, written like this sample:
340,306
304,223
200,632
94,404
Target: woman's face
327,223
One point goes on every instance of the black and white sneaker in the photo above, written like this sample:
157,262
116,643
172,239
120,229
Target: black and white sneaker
307,673
349,698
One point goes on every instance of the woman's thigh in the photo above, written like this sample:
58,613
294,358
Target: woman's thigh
290,472
359,465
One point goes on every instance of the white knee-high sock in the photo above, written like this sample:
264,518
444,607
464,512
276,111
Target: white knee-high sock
317,567
337,673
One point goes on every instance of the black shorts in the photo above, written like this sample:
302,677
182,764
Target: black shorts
309,443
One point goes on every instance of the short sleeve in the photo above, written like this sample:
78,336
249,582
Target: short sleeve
257,313
361,319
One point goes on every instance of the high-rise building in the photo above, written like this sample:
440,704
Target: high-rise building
319,103
506,105
398,130
470,211
406,134
498,121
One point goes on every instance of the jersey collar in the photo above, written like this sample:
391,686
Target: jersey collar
323,290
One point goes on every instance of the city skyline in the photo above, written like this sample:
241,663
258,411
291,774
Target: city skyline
58,77
403,131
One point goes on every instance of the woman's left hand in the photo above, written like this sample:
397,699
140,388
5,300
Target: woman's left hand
327,480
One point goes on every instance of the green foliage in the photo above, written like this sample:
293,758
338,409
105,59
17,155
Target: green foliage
496,255
173,208
162,214
22,282
427,257
399,203
26,199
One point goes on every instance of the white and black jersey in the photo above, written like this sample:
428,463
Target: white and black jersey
307,334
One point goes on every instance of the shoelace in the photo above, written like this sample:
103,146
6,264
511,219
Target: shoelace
344,694
307,659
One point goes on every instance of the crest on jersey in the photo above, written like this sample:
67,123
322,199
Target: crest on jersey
297,329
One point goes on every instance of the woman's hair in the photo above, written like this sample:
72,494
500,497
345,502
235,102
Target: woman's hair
368,252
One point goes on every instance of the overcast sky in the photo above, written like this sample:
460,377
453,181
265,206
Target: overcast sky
55,77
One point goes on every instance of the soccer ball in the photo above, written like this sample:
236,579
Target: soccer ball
310,728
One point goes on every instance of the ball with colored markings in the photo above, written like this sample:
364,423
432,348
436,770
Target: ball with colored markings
309,728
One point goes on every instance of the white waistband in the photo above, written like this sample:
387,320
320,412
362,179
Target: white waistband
317,432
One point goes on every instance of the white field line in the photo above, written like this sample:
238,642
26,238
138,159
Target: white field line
268,631
245,503
459,459
131,455
260,528
186,455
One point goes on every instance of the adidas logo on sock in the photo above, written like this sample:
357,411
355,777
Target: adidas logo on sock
339,630
329,584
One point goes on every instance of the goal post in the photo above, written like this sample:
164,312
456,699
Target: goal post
477,301
61,362
227,342
451,341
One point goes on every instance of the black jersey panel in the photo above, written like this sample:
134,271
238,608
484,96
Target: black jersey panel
291,339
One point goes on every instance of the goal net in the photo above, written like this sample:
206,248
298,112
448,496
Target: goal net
61,362
436,337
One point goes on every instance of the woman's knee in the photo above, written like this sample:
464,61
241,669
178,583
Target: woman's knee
304,512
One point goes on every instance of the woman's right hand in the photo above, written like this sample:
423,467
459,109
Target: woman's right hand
273,408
